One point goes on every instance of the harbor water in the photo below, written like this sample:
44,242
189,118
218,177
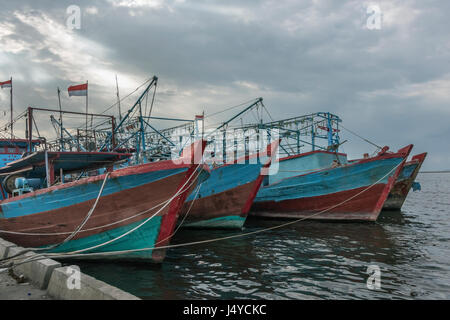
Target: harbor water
307,260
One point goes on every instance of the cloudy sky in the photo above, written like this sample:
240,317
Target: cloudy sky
391,85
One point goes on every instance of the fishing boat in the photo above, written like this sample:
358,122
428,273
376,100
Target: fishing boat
404,183
306,163
124,214
224,200
352,191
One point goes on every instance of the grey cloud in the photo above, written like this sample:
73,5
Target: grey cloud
301,57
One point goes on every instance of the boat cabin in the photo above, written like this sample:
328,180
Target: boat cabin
43,169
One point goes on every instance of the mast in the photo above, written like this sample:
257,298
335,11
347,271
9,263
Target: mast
12,131
30,129
118,99
137,103
60,120
87,89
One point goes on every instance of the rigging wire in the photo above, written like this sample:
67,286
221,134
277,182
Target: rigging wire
113,105
230,108
366,140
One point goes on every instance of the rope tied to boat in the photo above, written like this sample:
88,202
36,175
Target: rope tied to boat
74,233
73,255
45,255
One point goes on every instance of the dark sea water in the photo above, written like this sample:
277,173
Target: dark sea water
308,260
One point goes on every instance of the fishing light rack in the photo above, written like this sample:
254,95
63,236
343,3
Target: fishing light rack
79,140
315,131
168,142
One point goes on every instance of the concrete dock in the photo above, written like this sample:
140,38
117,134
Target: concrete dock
47,279
14,288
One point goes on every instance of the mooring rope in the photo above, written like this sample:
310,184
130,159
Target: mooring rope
85,220
185,216
74,233
143,223
65,255
44,255
93,228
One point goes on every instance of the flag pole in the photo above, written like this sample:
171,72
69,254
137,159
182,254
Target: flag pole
60,120
12,133
87,89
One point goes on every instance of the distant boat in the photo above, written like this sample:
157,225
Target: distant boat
404,183
347,191
224,200
137,209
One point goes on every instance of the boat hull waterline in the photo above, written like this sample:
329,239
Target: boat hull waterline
404,182
128,195
356,191
224,200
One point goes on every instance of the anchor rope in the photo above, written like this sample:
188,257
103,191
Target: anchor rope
64,255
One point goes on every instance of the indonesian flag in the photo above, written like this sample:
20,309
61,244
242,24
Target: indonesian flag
78,90
326,129
199,117
6,84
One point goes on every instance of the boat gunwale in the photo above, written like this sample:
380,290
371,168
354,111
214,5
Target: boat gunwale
310,153
269,148
399,154
137,169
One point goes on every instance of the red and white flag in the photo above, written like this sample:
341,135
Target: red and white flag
6,84
78,90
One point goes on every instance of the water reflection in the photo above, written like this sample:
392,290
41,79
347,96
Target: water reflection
307,260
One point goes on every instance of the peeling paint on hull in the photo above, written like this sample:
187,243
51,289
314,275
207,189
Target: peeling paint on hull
403,185
342,191
129,194
222,201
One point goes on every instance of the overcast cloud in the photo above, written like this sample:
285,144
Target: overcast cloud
391,85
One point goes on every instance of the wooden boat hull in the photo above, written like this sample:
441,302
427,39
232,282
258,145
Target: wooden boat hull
52,214
355,191
223,201
404,182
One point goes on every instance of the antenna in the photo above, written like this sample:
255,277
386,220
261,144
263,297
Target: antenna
118,99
